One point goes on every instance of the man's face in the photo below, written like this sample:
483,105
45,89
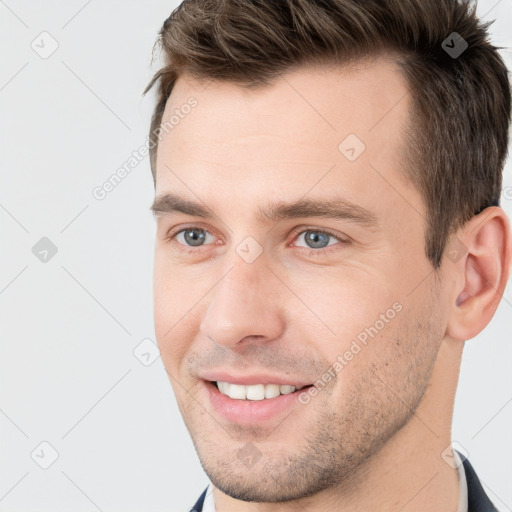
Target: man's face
245,294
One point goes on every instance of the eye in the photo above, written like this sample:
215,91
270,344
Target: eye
191,236
318,239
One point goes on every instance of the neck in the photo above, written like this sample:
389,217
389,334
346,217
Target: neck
408,474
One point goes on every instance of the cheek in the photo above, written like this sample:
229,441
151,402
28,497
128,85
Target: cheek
175,293
367,329
374,376
173,311
401,351
345,304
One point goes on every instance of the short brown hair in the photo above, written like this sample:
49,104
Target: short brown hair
457,145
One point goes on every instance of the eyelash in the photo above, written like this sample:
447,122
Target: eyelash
192,250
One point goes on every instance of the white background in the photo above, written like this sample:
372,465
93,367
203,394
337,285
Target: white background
69,326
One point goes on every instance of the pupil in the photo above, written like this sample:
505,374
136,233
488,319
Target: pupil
313,237
194,239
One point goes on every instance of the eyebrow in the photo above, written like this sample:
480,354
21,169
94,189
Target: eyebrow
335,208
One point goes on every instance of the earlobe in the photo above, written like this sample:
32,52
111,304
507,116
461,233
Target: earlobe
482,273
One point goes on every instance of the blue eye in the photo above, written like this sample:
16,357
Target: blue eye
318,239
192,238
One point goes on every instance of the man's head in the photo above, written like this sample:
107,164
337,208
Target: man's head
456,141
298,104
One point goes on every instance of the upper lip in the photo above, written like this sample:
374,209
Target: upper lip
254,378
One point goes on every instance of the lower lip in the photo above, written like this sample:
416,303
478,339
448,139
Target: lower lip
248,412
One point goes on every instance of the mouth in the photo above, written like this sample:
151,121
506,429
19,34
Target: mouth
255,392
248,411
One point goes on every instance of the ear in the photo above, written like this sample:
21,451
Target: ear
481,274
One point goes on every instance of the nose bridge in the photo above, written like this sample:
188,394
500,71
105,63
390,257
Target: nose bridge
242,304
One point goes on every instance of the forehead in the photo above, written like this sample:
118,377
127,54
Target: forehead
287,135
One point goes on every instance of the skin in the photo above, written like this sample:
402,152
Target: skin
372,439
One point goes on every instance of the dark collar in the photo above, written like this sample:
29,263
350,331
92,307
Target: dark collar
478,501
198,507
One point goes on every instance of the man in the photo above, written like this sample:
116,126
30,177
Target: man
327,179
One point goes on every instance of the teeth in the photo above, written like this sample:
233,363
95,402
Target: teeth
272,390
286,389
254,392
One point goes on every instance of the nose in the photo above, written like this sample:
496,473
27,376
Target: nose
245,306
